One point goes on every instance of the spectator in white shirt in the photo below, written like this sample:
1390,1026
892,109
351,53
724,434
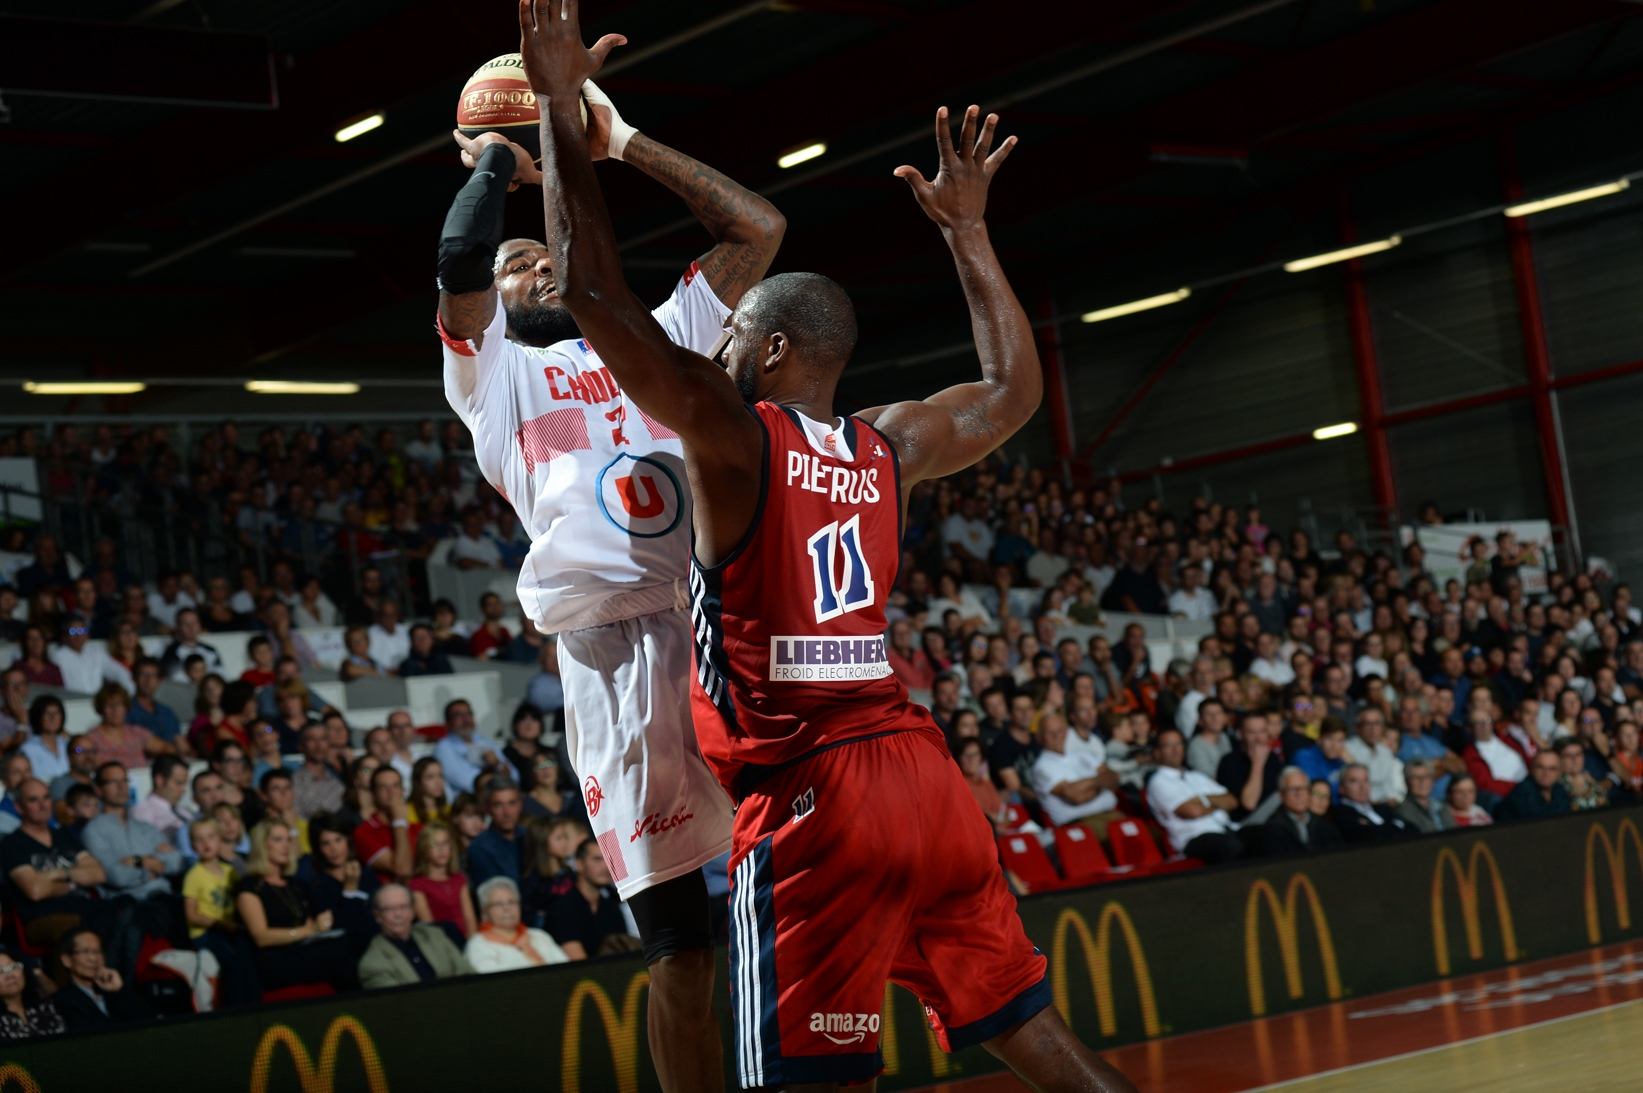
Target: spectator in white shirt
1387,784
1191,807
314,609
473,548
174,661
1084,736
1371,662
1192,600
1073,785
167,600
967,536
952,596
86,667
1099,572
1267,664
244,601
424,448
1047,564
1202,686
390,642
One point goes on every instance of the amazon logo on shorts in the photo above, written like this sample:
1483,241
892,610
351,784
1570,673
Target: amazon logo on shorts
640,495
844,1028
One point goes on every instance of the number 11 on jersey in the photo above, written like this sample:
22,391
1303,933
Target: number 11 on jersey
833,597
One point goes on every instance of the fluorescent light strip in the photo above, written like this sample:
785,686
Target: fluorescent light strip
1330,432
300,387
802,155
1570,198
1133,306
95,387
359,128
1342,255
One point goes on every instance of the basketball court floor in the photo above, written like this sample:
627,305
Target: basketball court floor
1570,1023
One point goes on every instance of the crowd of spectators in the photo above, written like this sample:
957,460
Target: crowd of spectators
1337,698
294,859
305,510
317,869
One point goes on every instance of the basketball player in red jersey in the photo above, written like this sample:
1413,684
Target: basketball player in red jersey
858,853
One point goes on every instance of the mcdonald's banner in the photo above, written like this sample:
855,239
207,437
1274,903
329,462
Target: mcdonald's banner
1127,961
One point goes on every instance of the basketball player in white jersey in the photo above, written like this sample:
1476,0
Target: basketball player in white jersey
601,489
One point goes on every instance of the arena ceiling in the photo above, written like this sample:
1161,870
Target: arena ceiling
239,239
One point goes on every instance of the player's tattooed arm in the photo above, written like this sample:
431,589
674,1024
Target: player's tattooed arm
747,228
467,314
953,428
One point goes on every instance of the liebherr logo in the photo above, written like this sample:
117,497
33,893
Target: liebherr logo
851,1027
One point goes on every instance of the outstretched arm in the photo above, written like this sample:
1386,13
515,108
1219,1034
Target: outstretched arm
683,390
746,227
953,428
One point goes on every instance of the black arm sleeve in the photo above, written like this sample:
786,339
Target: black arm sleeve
473,227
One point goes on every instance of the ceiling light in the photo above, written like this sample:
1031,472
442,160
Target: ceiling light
1342,255
300,387
359,128
1330,432
1570,198
1137,305
802,155
93,387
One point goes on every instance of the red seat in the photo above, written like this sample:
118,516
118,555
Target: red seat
1132,845
23,945
298,991
1082,859
147,970
1015,816
1026,859
1133,848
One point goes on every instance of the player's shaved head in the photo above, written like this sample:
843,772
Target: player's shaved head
812,312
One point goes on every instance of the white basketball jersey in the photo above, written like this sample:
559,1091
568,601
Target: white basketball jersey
598,485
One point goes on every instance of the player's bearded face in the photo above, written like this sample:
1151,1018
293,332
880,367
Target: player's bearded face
744,378
537,322
743,372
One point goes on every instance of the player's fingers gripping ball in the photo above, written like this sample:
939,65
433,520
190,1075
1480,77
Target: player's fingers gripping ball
498,99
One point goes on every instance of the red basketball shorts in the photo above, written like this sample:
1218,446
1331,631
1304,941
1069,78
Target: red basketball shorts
865,862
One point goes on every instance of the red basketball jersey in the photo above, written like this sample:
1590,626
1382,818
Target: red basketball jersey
790,628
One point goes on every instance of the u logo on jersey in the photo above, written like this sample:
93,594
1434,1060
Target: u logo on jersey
641,496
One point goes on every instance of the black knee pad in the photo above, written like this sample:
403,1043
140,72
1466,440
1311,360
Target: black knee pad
673,916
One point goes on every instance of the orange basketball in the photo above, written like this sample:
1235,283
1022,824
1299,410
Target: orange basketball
498,99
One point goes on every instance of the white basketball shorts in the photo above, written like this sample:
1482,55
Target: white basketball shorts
655,807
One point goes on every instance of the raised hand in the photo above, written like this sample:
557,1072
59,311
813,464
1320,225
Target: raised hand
525,169
958,196
550,42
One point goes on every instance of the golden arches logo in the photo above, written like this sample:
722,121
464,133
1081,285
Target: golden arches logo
1283,921
1615,852
321,1078
621,1033
10,1072
1466,884
890,1046
1097,950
